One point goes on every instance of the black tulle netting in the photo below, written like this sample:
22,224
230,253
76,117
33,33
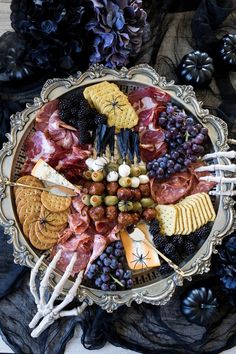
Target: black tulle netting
175,29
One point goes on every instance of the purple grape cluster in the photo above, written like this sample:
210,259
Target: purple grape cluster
108,272
185,139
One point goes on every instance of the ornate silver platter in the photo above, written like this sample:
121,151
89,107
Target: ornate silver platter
149,287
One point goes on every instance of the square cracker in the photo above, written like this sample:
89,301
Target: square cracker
192,214
167,216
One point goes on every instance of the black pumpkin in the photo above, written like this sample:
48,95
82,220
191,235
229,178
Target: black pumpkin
227,50
196,69
199,306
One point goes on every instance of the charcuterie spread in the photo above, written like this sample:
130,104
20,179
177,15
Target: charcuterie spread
131,161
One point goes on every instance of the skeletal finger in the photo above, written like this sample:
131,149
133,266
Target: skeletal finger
58,288
71,293
228,193
33,275
74,312
212,168
44,324
231,141
229,154
218,179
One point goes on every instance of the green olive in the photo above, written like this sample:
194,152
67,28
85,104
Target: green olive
135,171
147,202
143,169
97,176
86,199
111,200
124,205
137,206
125,182
96,200
87,175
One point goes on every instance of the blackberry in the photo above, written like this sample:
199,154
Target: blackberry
160,241
176,258
169,249
154,227
100,119
83,111
191,238
165,269
178,240
203,232
189,248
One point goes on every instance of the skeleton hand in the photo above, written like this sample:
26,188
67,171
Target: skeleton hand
218,167
47,311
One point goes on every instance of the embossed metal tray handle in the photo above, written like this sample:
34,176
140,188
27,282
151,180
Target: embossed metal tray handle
48,313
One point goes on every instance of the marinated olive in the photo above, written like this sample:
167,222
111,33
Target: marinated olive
97,188
86,199
124,205
111,200
143,169
112,188
147,202
145,190
87,175
111,212
124,170
124,193
135,182
112,176
125,182
97,213
97,176
96,200
86,187
143,179
136,195
149,214
112,166
137,207
135,171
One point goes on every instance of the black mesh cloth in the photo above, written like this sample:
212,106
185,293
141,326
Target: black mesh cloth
176,28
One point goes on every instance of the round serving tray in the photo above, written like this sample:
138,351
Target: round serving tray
149,286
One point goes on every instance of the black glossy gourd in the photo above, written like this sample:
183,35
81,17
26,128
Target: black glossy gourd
196,69
227,50
199,305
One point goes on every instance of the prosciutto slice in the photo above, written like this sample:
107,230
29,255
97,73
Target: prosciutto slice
64,137
79,222
81,244
76,158
43,115
148,103
152,144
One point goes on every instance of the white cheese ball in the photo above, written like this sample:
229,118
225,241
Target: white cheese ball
135,182
99,163
112,176
143,179
124,170
89,162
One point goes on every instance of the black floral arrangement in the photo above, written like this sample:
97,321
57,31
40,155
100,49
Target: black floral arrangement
224,266
68,35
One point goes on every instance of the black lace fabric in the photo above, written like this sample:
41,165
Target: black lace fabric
176,28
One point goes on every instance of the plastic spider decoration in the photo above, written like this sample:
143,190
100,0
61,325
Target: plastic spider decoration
114,104
140,259
44,221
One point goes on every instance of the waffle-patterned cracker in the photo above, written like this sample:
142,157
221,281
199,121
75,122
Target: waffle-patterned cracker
107,98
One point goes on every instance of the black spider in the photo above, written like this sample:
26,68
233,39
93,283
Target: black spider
140,258
115,104
43,220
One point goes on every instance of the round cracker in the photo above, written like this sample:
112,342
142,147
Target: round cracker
54,219
36,242
29,180
27,192
55,203
29,199
31,219
50,237
27,209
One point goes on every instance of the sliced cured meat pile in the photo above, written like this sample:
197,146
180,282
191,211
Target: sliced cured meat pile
148,103
55,142
152,144
180,185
